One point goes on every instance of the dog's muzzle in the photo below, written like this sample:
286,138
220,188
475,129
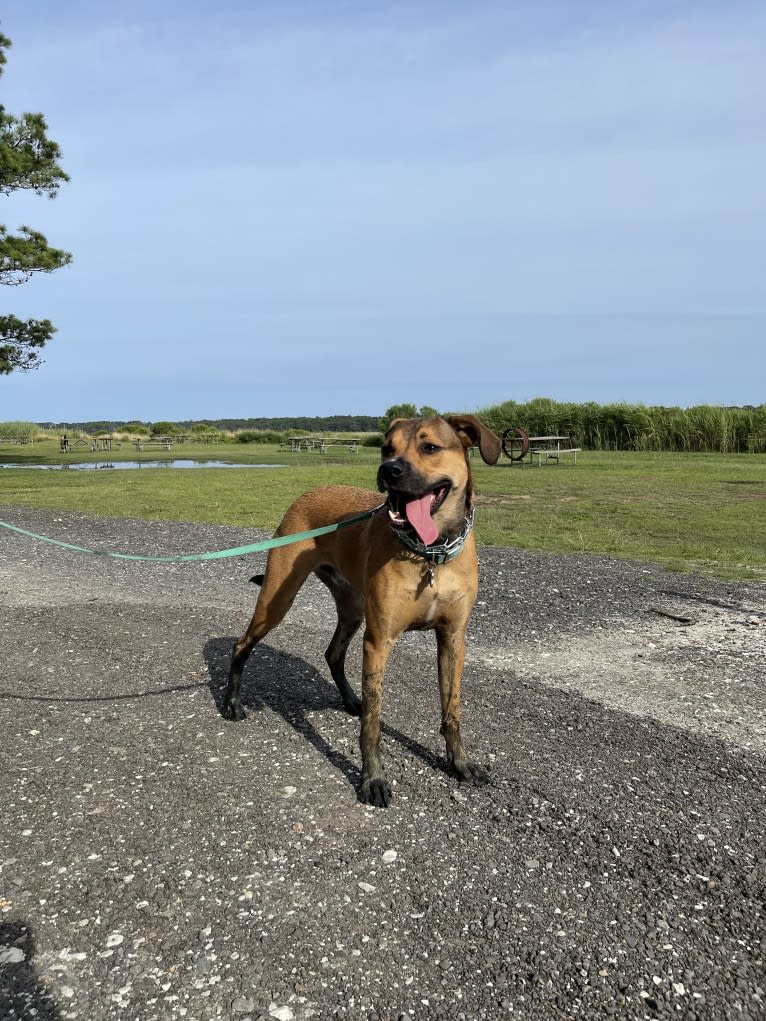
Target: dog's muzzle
391,473
411,502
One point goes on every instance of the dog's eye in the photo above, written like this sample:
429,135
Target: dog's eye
430,448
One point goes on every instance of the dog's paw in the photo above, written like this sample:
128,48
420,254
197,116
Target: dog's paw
353,706
375,792
472,773
233,711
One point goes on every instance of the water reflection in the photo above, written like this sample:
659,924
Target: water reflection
178,463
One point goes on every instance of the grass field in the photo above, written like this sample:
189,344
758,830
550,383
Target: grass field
702,512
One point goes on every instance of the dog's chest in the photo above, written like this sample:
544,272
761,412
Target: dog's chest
440,594
432,610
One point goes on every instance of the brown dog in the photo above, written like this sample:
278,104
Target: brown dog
409,566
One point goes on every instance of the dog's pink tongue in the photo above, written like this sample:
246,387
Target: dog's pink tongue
419,516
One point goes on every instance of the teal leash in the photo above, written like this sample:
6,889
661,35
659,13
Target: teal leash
235,551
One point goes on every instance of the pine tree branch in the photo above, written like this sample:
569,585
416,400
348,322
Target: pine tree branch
26,253
20,342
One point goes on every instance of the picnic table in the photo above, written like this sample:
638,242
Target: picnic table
166,442
518,446
297,443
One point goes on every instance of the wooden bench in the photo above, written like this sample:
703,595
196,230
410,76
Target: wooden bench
164,444
298,443
352,445
553,453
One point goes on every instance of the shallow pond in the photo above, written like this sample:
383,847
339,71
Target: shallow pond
93,465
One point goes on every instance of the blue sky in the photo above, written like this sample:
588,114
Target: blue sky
324,208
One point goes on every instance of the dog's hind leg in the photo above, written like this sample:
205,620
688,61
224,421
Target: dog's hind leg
350,606
280,585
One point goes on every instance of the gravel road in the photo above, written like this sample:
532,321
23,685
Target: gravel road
158,862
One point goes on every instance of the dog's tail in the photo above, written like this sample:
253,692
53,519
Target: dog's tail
258,578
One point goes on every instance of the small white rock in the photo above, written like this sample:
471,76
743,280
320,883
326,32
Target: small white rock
12,955
114,939
281,1013
367,887
389,856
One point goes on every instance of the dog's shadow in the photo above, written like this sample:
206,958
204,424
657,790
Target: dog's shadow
291,687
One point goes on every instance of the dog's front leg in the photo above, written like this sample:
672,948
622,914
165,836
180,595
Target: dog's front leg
451,647
375,789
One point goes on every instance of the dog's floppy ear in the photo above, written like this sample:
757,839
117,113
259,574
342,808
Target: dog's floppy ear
473,433
394,422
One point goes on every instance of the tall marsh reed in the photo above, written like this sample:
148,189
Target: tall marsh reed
703,428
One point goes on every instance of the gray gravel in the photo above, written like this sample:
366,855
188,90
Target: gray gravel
157,862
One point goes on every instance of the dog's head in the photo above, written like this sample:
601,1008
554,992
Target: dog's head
426,474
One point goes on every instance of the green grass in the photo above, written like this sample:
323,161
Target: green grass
702,512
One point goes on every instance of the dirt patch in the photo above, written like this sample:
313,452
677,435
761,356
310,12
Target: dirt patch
709,675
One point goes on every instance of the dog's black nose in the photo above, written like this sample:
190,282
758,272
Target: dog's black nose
390,472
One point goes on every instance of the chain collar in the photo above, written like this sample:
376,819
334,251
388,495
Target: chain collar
439,553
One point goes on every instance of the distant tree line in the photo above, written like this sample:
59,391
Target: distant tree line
316,424
308,424
591,426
